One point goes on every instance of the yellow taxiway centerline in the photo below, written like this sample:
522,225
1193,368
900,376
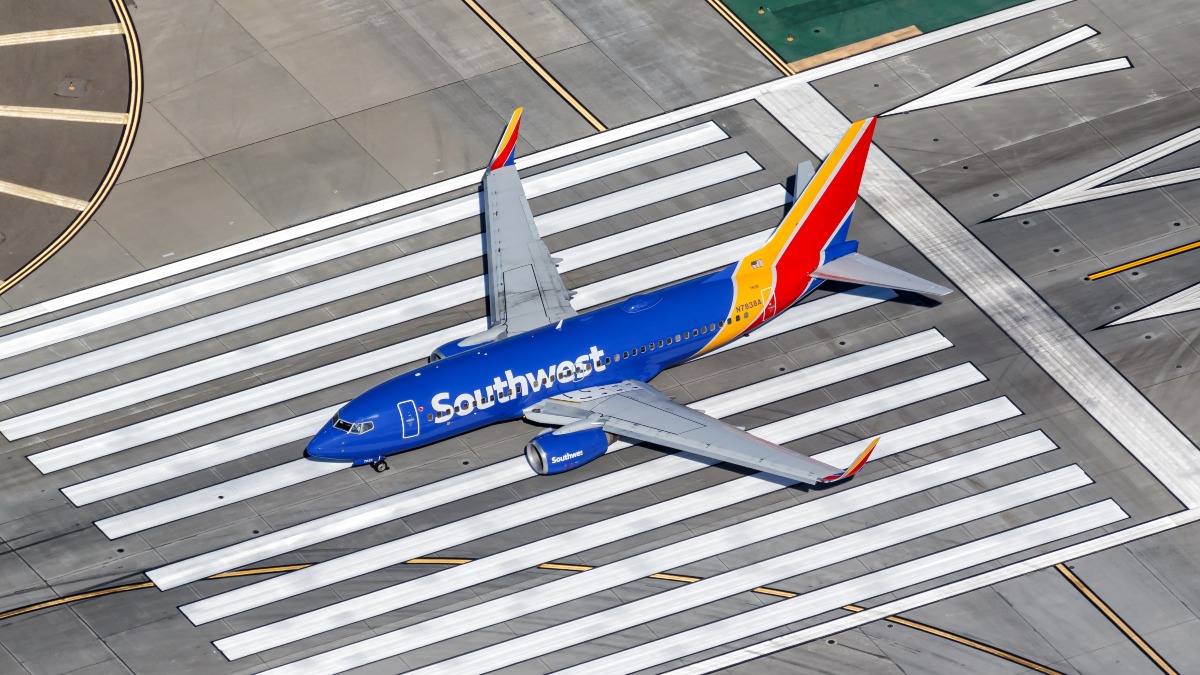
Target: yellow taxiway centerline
532,63
1142,261
1116,620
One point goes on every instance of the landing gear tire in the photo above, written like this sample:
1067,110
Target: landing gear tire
380,466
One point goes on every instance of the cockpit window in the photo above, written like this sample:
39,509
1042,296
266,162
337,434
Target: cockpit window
355,428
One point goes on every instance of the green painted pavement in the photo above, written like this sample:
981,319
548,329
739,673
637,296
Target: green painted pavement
818,26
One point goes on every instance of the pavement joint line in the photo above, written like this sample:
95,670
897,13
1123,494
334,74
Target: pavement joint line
238,275
515,470
932,630
813,603
960,639
297,428
1142,261
468,179
533,63
820,555
1007,299
752,37
633,523
1115,619
134,54
166,382
64,115
55,34
42,196
984,82
955,588
409,351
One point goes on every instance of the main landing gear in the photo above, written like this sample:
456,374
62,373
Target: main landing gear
380,466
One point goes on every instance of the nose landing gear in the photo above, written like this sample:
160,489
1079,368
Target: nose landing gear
380,466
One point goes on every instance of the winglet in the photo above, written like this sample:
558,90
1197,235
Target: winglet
855,467
506,151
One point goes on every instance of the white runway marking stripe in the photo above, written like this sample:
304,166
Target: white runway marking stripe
344,328
409,266
199,458
907,603
614,529
601,578
740,400
872,585
983,83
336,246
368,560
353,368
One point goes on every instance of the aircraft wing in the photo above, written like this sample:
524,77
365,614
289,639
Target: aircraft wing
636,410
524,288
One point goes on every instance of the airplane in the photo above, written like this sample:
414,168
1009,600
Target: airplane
587,374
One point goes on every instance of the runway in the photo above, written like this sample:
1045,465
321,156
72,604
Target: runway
163,413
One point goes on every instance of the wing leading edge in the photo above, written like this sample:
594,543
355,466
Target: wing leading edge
638,411
524,288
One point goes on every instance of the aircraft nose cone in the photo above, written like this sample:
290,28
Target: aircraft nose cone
327,444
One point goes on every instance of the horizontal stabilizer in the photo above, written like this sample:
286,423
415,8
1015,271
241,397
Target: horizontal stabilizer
859,269
804,176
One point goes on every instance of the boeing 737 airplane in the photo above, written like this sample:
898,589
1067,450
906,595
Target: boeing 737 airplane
587,374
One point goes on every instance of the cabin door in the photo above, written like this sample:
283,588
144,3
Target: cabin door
408,418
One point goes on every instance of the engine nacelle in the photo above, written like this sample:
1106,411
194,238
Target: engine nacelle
449,349
455,347
550,453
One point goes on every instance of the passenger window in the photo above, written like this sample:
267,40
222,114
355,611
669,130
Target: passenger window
703,330
738,317
651,346
660,343
668,340
626,354
729,321
695,332
617,357
677,337
643,349
429,417
607,360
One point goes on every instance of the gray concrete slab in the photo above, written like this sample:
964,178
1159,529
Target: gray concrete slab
181,45
158,146
431,136
538,25
177,213
462,39
601,86
56,641
305,174
698,41
278,23
250,101
547,120
365,64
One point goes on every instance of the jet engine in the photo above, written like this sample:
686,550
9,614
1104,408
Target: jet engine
466,344
551,452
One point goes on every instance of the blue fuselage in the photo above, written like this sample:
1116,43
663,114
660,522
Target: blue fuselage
632,340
